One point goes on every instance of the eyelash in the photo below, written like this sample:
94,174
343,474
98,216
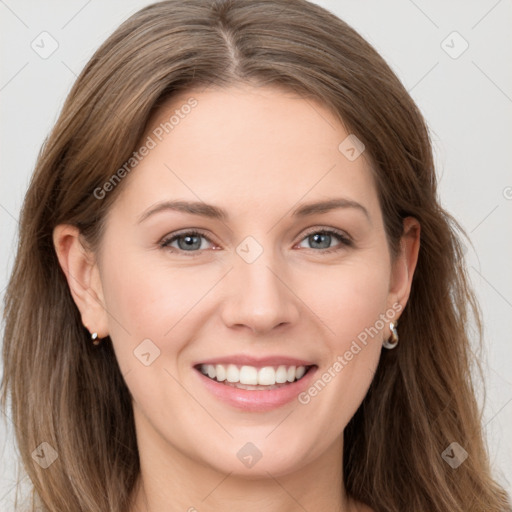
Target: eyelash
342,237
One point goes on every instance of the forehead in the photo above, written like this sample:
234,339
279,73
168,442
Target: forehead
249,147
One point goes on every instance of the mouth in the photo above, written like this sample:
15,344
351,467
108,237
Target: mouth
262,386
254,378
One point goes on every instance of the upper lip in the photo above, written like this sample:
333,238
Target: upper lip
258,362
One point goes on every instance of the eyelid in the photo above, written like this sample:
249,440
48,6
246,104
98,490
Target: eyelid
328,230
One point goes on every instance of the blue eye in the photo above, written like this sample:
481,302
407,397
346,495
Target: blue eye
191,241
321,239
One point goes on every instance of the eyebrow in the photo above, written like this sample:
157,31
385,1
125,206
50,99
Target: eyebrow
215,212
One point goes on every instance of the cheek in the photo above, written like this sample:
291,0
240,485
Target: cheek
142,304
349,298
351,307
149,298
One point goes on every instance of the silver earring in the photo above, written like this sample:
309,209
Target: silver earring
392,342
94,338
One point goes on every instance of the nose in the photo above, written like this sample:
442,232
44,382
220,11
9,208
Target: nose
258,297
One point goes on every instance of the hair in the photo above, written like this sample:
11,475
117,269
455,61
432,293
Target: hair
70,394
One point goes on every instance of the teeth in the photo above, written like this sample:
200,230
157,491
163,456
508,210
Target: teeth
250,375
267,376
232,373
220,373
281,374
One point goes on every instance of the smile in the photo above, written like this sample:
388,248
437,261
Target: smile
251,377
266,386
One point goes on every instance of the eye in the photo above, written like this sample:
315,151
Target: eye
189,241
322,238
192,241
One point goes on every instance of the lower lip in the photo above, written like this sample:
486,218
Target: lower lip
257,400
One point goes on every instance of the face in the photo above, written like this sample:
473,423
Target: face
282,303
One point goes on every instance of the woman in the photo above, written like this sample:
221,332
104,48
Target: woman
235,287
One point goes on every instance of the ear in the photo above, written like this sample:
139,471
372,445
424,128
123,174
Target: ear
405,263
81,270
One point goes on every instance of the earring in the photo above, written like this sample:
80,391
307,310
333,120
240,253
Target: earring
95,339
392,342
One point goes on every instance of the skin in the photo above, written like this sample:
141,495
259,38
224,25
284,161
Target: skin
259,153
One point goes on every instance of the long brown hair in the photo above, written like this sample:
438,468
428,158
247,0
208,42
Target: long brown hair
71,395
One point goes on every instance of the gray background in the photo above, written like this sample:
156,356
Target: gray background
466,100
